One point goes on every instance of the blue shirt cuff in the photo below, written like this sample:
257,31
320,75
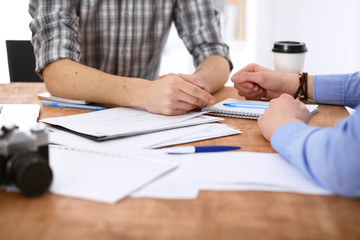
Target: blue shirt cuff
339,89
328,89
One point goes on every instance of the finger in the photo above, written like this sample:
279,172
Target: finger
243,77
175,107
196,96
250,90
272,103
185,106
248,68
181,90
196,102
252,68
254,95
246,86
176,101
258,94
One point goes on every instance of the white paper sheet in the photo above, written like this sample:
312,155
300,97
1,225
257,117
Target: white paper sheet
101,176
197,133
23,115
228,171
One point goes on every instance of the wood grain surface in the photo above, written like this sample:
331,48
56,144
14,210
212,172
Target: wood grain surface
213,215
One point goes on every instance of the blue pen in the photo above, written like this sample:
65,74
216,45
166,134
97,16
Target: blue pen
192,149
241,105
71,105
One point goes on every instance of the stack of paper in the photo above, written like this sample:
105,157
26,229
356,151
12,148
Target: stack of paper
145,141
123,122
105,170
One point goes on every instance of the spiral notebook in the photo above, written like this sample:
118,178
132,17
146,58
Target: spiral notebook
238,108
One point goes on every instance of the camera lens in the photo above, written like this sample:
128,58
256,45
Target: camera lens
31,173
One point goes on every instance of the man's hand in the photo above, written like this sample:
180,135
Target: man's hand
282,110
255,82
175,94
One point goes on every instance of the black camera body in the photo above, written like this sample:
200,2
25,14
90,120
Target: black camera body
24,159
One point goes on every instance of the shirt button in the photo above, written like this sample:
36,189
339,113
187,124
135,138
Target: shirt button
124,51
126,15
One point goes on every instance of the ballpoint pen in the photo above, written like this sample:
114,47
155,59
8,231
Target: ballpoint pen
71,105
241,105
193,149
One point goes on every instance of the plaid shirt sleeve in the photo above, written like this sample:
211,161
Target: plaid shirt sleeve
198,24
55,28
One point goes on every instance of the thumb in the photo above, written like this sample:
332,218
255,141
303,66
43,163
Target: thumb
253,77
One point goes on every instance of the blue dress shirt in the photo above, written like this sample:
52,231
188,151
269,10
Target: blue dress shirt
328,156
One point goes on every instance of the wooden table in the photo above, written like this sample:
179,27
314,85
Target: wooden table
213,215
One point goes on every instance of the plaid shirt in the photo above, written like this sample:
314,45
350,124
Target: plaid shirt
125,37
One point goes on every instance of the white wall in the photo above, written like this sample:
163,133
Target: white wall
330,29
14,25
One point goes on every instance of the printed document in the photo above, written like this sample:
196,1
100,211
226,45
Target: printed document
121,122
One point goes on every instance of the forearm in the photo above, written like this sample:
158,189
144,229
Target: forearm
213,73
170,95
70,79
328,156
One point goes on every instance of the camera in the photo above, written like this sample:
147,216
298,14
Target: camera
24,159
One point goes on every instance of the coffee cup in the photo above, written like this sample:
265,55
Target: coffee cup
289,56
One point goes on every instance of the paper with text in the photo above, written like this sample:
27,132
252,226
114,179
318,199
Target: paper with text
119,122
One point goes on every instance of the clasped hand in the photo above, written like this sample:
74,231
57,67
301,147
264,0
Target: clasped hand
256,82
